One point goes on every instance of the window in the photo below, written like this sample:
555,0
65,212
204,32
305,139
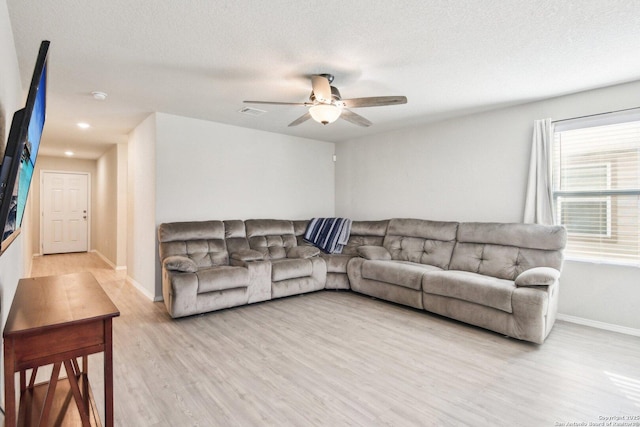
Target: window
586,216
596,186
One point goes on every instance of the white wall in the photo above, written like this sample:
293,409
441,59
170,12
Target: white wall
122,194
474,168
13,262
10,86
106,214
443,171
105,201
208,170
111,202
141,222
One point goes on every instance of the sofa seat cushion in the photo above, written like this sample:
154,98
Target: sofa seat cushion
473,287
336,263
401,273
221,278
290,268
303,252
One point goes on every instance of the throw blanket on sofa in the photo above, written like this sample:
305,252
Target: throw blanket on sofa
328,234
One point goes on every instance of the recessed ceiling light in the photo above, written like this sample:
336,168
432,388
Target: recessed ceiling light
84,125
69,153
100,96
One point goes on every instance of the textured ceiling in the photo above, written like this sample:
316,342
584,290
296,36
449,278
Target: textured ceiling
202,58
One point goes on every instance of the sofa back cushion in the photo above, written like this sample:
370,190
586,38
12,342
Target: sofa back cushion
363,233
506,250
235,236
299,228
271,237
421,241
201,241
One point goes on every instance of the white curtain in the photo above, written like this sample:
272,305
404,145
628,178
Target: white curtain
538,208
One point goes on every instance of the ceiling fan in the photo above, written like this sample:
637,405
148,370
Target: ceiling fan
326,105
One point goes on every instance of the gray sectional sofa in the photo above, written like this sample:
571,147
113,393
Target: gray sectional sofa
502,277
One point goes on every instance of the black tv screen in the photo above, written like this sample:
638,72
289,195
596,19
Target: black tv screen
18,163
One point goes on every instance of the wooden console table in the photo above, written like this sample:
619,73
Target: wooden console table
54,321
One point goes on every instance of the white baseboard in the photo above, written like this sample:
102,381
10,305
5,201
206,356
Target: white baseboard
103,258
108,261
599,325
97,252
140,288
129,280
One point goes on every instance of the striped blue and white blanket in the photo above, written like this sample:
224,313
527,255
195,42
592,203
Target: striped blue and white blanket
328,234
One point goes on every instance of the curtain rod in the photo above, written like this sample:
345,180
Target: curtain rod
595,115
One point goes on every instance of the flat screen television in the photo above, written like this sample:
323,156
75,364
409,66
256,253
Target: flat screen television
20,154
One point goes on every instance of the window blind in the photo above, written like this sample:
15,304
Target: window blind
596,187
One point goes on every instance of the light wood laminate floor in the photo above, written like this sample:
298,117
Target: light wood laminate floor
342,359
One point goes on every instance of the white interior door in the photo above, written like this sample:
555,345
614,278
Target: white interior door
64,212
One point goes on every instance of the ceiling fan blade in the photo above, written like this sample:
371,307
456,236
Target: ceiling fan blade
321,88
301,119
277,103
354,118
374,101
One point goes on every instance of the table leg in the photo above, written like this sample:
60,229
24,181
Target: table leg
85,380
9,384
51,391
108,373
23,381
75,390
32,381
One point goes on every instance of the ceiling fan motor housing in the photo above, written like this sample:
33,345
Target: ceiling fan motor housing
335,95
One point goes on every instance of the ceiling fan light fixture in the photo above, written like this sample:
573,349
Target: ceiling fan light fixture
326,104
325,113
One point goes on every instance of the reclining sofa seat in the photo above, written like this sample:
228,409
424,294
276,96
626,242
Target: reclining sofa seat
294,269
502,277
196,274
363,233
211,265
411,247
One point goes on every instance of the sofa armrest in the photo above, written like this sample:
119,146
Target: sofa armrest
374,252
538,276
303,252
180,263
247,255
